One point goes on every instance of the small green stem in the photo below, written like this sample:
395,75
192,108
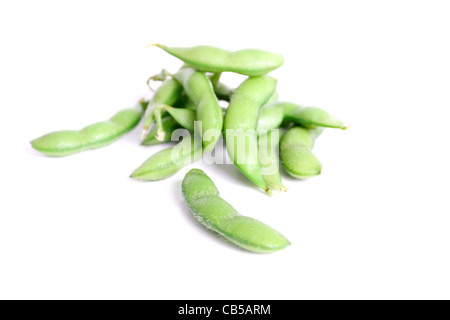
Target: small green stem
158,77
160,133
215,79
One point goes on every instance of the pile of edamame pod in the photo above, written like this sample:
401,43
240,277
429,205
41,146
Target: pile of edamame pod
258,131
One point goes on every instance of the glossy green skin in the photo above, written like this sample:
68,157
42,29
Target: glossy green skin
310,117
268,152
184,117
270,117
167,162
198,88
296,155
169,125
218,215
223,92
250,62
167,94
242,120
64,143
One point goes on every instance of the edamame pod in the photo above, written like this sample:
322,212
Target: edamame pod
270,117
241,122
268,153
64,143
198,88
167,93
185,117
169,161
218,215
310,117
250,62
296,155
223,92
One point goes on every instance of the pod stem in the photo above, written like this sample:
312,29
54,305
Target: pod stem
144,133
143,104
158,77
160,133
148,84
279,187
148,122
215,79
155,45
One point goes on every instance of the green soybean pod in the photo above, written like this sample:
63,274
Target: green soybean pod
296,155
223,92
268,144
241,122
216,214
64,143
185,117
167,162
250,62
310,117
198,88
167,93
270,117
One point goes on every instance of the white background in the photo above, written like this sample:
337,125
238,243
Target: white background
374,225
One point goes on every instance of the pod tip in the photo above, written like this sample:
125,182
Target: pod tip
144,133
160,135
136,174
155,45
